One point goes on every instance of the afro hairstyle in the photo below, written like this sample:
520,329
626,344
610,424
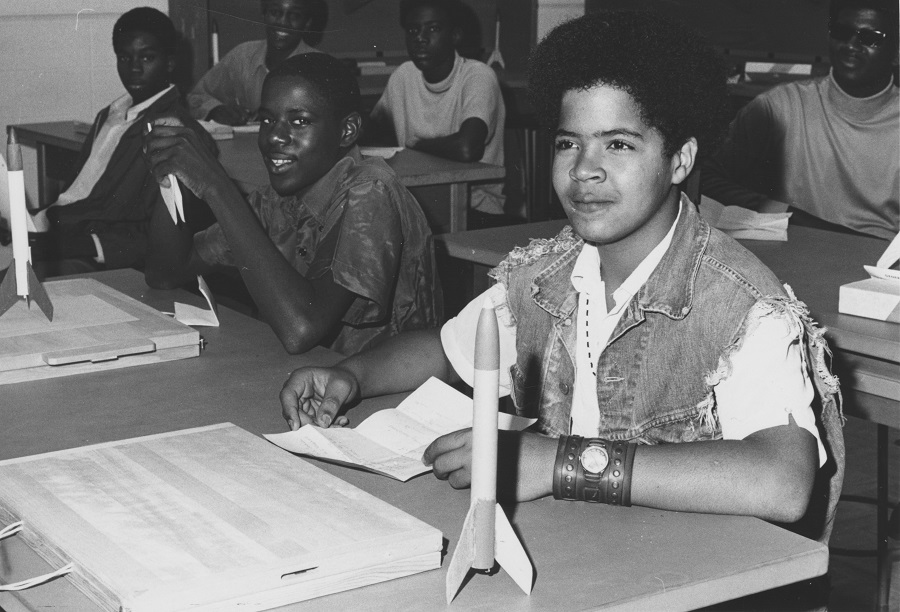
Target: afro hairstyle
148,20
676,80
331,77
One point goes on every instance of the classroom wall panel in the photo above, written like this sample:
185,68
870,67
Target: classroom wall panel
793,30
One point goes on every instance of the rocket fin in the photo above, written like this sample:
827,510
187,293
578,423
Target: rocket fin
8,293
509,552
463,556
38,293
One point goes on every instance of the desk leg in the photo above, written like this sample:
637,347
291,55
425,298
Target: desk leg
459,206
882,513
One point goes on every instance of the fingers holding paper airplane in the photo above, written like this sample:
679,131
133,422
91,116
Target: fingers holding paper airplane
315,395
171,148
524,462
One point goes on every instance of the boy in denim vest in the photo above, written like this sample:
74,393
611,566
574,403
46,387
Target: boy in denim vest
666,365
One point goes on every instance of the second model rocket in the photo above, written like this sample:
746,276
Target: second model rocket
486,534
20,280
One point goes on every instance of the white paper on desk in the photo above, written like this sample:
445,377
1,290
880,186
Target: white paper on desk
391,442
384,152
882,269
743,223
250,128
199,317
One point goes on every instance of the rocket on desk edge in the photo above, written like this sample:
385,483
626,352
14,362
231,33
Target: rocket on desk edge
486,534
20,280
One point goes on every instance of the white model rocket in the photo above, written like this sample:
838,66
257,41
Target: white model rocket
20,280
486,533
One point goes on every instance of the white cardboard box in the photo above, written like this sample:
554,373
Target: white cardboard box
874,298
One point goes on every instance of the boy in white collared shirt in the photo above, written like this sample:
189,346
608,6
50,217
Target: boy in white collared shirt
101,220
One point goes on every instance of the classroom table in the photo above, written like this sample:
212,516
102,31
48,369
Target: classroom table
241,159
586,556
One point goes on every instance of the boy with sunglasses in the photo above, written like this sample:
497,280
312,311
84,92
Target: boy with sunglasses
828,146
666,365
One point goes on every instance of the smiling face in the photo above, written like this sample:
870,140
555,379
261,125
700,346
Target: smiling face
286,21
431,42
143,66
610,171
299,137
862,70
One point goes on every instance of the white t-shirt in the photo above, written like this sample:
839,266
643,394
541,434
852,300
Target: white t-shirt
745,405
420,110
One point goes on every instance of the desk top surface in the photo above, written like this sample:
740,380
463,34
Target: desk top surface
586,556
241,158
813,262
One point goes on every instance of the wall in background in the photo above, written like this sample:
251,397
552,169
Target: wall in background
57,62
793,31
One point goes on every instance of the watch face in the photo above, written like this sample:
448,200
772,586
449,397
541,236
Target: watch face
594,459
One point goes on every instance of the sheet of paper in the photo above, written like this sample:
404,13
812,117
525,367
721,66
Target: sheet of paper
391,442
743,223
385,152
191,315
251,128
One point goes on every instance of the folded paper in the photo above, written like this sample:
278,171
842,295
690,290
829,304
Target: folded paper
877,297
191,315
744,224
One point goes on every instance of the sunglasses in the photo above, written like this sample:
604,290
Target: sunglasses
865,36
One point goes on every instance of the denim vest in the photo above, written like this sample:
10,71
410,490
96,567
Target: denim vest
655,378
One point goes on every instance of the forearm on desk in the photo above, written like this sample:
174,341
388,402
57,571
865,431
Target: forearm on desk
466,145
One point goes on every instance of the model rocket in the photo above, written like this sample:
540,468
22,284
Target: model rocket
486,534
20,280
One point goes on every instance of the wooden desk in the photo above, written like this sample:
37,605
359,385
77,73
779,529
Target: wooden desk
241,159
586,556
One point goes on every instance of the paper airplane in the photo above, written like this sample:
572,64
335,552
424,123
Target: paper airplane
486,534
20,280
171,193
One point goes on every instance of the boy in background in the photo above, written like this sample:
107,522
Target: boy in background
440,102
335,251
230,91
666,365
827,147
101,220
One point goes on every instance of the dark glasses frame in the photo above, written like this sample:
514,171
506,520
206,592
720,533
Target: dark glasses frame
867,37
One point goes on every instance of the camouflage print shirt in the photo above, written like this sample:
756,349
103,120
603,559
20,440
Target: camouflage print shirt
362,225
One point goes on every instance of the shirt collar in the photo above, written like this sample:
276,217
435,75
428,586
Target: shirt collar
860,109
444,85
318,198
133,112
587,278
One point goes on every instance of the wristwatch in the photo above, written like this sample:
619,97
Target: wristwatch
594,460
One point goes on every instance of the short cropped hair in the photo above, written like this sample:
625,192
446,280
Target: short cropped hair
888,8
147,20
451,8
332,78
676,80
